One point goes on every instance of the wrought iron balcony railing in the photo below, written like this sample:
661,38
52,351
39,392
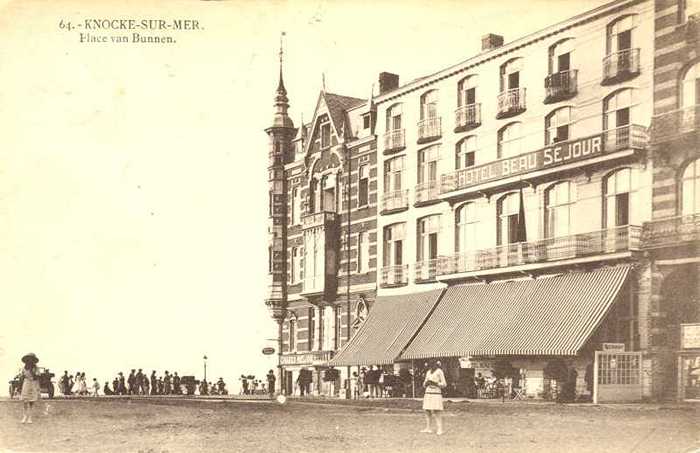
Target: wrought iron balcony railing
511,102
597,243
467,117
394,275
671,125
317,219
671,231
560,86
427,192
429,129
394,141
426,271
625,137
620,66
394,201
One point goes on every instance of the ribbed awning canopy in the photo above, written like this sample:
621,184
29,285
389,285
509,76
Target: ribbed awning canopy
390,325
546,316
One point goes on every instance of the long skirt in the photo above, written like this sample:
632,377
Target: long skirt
432,402
31,390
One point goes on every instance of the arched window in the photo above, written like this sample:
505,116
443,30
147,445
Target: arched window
509,141
690,87
560,56
620,194
428,229
559,201
393,117
507,210
510,74
619,109
619,34
466,91
690,189
292,332
558,125
467,228
429,105
465,153
393,170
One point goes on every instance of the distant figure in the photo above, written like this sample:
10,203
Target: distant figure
203,390
31,389
145,385
122,384
95,387
167,389
244,383
353,386
83,388
161,386
106,390
71,383
271,382
64,383
176,384
432,400
115,386
222,387
138,382
154,383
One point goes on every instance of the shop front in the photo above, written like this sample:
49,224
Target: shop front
689,363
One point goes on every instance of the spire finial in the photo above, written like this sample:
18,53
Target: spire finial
323,81
280,85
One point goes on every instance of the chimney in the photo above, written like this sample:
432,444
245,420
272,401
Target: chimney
491,41
387,82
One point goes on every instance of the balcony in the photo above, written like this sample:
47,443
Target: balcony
467,117
511,103
393,276
597,245
426,271
576,152
427,193
429,129
319,219
560,86
672,125
306,358
620,66
671,232
394,141
395,201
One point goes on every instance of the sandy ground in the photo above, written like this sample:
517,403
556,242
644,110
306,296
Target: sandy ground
211,426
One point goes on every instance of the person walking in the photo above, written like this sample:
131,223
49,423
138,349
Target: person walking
176,384
167,389
82,385
154,383
432,399
145,385
138,390
31,389
95,387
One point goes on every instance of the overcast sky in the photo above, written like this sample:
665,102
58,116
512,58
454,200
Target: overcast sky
133,186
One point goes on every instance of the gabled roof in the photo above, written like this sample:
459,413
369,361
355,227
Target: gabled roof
338,105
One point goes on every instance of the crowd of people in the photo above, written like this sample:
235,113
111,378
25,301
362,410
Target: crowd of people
252,386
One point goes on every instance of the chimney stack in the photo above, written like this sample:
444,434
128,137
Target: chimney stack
387,82
491,41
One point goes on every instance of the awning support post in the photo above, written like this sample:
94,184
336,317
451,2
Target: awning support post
413,378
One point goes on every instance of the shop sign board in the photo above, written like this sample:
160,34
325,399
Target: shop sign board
613,347
690,336
268,351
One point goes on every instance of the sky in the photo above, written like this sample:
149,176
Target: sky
133,193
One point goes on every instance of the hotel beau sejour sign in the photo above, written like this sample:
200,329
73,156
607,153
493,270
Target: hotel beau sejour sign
563,153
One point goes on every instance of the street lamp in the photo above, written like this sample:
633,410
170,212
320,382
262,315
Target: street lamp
205,368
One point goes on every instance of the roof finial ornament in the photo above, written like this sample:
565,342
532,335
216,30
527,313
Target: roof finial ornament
323,82
280,86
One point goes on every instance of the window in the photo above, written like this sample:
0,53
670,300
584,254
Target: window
467,231
618,114
560,56
321,328
362,251
296,206
619,34
558,126
619,191
689,8
328,184
296,265
465,153
363,186
393,244
312,327
429,105
427,165
509,141
507,211
559,201
325,135
428,229
510,74
393,118
690,88
292,333
466,91
313,262
336,330
393,170
269,259
690,189
367,120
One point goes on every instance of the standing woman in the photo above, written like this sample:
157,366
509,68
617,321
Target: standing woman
432,400
31,388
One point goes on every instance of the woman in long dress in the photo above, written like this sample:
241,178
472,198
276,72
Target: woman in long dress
83,385
31,388
432,399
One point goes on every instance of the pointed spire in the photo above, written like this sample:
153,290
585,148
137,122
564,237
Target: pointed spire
280,84
323,82
281,119
370,102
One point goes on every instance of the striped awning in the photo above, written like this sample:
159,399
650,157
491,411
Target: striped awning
545,316
390,325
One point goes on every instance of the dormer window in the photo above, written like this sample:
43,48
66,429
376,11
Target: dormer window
325,135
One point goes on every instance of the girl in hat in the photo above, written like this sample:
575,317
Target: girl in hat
31,389
432,400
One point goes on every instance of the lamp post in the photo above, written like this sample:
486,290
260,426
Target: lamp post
205,368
